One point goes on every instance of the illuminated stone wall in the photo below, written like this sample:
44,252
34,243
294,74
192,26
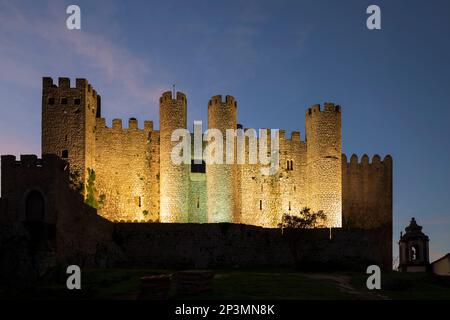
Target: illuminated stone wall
68,122
221,178
324,169
250,190
123,167
155,175
139,181
174,183
293,187
197,198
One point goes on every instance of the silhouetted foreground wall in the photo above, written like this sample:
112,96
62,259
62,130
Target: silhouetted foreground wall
232,245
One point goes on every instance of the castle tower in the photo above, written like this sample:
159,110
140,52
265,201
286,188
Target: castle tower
174,183
68,123
324,170
221,178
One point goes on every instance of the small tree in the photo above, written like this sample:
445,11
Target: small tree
304,220
75,182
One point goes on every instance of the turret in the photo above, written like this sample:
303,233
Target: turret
174,187
221,178
68,122
324,163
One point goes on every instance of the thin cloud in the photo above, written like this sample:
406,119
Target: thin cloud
114,62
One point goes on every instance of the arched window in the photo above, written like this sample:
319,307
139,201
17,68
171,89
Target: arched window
65,154
292,165
415,253
260,204
289,206
34,207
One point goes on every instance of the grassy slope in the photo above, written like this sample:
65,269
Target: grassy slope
259,284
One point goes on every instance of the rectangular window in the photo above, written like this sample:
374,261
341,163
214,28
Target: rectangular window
51,101
198,168
77,101
65,154
138,200
260,204
63,100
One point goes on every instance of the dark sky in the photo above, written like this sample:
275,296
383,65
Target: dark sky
276,57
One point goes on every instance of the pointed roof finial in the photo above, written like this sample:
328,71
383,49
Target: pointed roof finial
173,90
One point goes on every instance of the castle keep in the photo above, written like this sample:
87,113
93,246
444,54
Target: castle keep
133,178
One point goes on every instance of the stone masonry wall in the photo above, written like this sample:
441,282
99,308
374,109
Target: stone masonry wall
367,192
324,150
138,180
221,178
68,122
230,245
174,183
123,171
81,236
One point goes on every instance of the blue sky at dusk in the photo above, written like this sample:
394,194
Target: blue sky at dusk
276,57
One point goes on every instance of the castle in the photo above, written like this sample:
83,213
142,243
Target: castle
133,179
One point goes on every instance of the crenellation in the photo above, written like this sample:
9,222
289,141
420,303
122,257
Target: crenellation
367,191
47,162
133,124
81,83
282,134
148,125
295,136
138,181
47,82
100,123
64,83
117,124
365,161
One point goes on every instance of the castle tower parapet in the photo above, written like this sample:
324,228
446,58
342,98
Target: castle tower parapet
324,151
221,178
68,122
174,183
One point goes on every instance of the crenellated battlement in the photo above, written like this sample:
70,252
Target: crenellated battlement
135,170
365,161
295,136
117,124
218,100
64,84
168,96
327,107
31,161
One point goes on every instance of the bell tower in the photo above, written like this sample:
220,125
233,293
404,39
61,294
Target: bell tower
413,249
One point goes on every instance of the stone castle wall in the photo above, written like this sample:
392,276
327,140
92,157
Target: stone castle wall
367,192
226,245
138,180
123,165
79,234
68,122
